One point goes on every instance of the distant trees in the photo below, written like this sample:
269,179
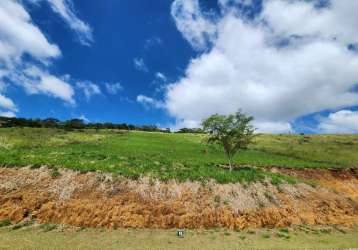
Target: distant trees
73,124
50,123
191,130
233,132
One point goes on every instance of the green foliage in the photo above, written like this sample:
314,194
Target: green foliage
284,236
54,172
5,223
327,150
284,230
165,156
73,124
233,132
23,224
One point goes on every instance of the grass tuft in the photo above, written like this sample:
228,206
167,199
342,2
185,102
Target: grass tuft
5,223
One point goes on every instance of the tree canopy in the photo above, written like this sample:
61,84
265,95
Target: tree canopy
234,132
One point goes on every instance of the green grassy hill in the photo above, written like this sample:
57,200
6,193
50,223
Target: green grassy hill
170,156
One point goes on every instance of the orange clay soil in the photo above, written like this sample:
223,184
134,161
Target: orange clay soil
100,200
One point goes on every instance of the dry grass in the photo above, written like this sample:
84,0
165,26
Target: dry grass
102,200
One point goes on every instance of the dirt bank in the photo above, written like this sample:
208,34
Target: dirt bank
100,200
344,181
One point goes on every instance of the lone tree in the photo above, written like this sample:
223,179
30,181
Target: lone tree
234,132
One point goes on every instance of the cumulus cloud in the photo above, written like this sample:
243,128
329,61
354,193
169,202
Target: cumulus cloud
337,21
38,81
191,22
113,88
19,36
149,102
276,69
7,103
273,127
7,114
343,122
89,89
140,65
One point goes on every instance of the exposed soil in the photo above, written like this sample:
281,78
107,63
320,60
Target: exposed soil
100,200
344,181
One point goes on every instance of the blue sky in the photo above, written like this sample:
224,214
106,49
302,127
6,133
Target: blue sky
291,64
122,31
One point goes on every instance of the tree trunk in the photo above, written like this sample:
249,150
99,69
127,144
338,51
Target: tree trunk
230,163
229,157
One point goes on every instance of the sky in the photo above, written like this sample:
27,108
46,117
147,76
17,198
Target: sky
292,64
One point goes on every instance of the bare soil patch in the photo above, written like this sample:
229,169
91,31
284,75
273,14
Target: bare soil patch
101,200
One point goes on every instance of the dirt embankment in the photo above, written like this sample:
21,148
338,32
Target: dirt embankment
100,200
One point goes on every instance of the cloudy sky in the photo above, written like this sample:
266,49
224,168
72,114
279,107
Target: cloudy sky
292,64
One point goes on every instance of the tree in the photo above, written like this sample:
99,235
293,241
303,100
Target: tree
234,132
74,124
50,123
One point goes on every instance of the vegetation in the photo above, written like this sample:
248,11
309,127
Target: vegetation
168,155
232,132
69,238
10,122
329,150
5,223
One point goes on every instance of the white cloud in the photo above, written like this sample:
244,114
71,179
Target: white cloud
140,65
113,88
153,41
245,68
7,103
18,36
89,88
7,114
191,22
149,102
337,21
273,127
84,118
38,81
343,122
160,76
65,8
184,124
25,52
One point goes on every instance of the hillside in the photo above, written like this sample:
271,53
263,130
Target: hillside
119,179
170,156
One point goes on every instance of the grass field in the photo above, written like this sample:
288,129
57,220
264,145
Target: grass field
170,156
48,237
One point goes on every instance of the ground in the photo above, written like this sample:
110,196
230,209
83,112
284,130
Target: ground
170,156
285,191
145,239
96,199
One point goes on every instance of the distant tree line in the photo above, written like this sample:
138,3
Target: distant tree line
8,122
191,130
74,124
